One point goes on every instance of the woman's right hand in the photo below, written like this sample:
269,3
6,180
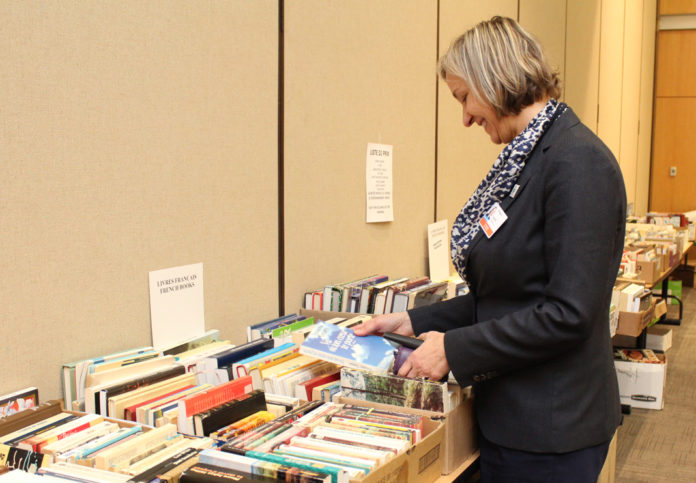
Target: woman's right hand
399,323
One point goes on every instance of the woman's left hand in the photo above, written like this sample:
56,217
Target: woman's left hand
429,359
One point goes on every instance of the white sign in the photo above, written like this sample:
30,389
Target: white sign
380,206
438,251
176,304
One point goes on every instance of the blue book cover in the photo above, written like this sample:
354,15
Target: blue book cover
341,346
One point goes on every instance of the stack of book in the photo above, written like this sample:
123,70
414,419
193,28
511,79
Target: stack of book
318,441
89,447
79,375
377,294
214,408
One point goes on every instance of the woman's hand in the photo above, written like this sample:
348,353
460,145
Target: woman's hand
399,323
429,360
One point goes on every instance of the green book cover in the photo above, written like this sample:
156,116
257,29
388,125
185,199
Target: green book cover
287,329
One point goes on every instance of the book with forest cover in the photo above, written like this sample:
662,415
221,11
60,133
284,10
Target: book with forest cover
341,346
400,391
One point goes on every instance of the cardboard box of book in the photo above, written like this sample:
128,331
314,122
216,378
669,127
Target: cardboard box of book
432,398
649,271
423,462
633,323
641,374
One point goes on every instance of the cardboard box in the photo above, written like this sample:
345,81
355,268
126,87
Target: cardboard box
459,438
650,271
641,385
419,464
633,323
659,338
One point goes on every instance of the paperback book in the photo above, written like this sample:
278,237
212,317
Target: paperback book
341,346
399,391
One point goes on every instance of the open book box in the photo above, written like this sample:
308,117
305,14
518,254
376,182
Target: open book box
421,463
641,385
633,323
441,453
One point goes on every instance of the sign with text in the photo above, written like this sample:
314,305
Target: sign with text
438,251
176,304
378,179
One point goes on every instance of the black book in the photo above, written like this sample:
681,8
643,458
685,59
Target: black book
166,465
135,383
203,473
208,421
230,356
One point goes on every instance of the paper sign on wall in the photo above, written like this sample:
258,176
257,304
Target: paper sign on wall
380,205
176,304
438,250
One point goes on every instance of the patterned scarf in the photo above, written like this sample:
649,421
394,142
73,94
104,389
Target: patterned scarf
498,183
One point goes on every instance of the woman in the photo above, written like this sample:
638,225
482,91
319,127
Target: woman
539,244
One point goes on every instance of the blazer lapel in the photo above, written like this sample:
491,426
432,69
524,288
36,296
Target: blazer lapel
533,164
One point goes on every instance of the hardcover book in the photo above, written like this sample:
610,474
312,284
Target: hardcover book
198,403
341,346
229,412
400,391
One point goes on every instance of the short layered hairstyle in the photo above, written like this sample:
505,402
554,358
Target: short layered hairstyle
502,64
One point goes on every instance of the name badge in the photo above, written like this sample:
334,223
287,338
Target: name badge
493,220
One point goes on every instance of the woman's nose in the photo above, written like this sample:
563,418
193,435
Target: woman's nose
467,119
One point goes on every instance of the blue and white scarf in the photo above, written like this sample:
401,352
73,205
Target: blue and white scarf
498,183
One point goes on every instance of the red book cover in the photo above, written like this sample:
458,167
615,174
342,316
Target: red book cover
303,390
198,403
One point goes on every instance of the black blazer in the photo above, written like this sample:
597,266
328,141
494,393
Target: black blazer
532,336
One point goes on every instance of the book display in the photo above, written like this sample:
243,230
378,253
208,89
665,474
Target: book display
157,419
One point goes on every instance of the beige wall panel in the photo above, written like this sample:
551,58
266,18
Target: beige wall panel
581,85
646,107
464,155
135,136
676,63
356,72
630,107
673,146
676,7
547,22
610,75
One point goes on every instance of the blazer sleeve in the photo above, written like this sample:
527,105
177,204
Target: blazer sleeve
584,223
443,316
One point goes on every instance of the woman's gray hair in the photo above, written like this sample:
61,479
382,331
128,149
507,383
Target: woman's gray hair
502,65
